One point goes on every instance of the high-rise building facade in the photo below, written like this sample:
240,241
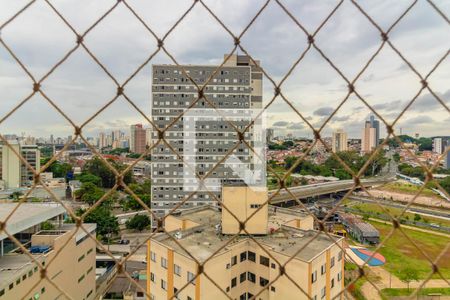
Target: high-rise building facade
440,143
370,135
376,125
339,141
236,86
13,172
138,140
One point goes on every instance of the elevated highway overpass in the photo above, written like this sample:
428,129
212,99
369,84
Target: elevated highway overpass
318,189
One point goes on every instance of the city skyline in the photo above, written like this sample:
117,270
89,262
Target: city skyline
314,88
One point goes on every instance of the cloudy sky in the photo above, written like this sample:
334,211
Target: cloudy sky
121,43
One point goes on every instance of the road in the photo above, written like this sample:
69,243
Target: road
311,190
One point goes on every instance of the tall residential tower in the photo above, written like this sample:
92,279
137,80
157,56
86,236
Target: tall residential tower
235,87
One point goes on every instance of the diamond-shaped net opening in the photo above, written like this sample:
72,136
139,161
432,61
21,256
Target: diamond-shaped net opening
154,223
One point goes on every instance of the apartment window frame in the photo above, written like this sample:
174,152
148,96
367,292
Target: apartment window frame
177,269
234,260
233,282
251,277
243,277
263,260
164,262
251,256
314,276
243,256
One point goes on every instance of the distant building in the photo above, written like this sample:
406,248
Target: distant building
376,125
269,135
370,135
240,266
440,143
361,231
13,171
447,160
102,141
138,141
340,141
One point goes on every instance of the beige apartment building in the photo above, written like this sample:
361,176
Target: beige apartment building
339,141
72,269
237,264
14,173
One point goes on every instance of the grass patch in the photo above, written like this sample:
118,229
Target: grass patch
407,189
395,212
400,252
406,292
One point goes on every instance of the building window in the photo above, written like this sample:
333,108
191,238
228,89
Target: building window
11,285
332,262
251,277
43,290
190,277
314,276
273,266
152,277
234,260
163,262
272,288
90,250
251,256
153,256
81,278
323,269
242,277
339,276
264,261
177,270
89,270
243,256
233,282
2,292
340,256
332,283
263,281
163,284
322,293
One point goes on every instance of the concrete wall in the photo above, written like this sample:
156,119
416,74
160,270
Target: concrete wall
243,202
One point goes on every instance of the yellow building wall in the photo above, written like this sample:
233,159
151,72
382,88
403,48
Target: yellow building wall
64,269
243,202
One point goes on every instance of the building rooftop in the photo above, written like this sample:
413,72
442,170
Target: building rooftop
204,240
13,265
27,215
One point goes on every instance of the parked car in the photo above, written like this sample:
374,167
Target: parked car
124,242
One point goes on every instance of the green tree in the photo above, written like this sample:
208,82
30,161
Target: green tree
47,226
396,157
59,170
445,183
106,222
143,191
98,168
409,274
138,222
16,195
85,178
87,192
